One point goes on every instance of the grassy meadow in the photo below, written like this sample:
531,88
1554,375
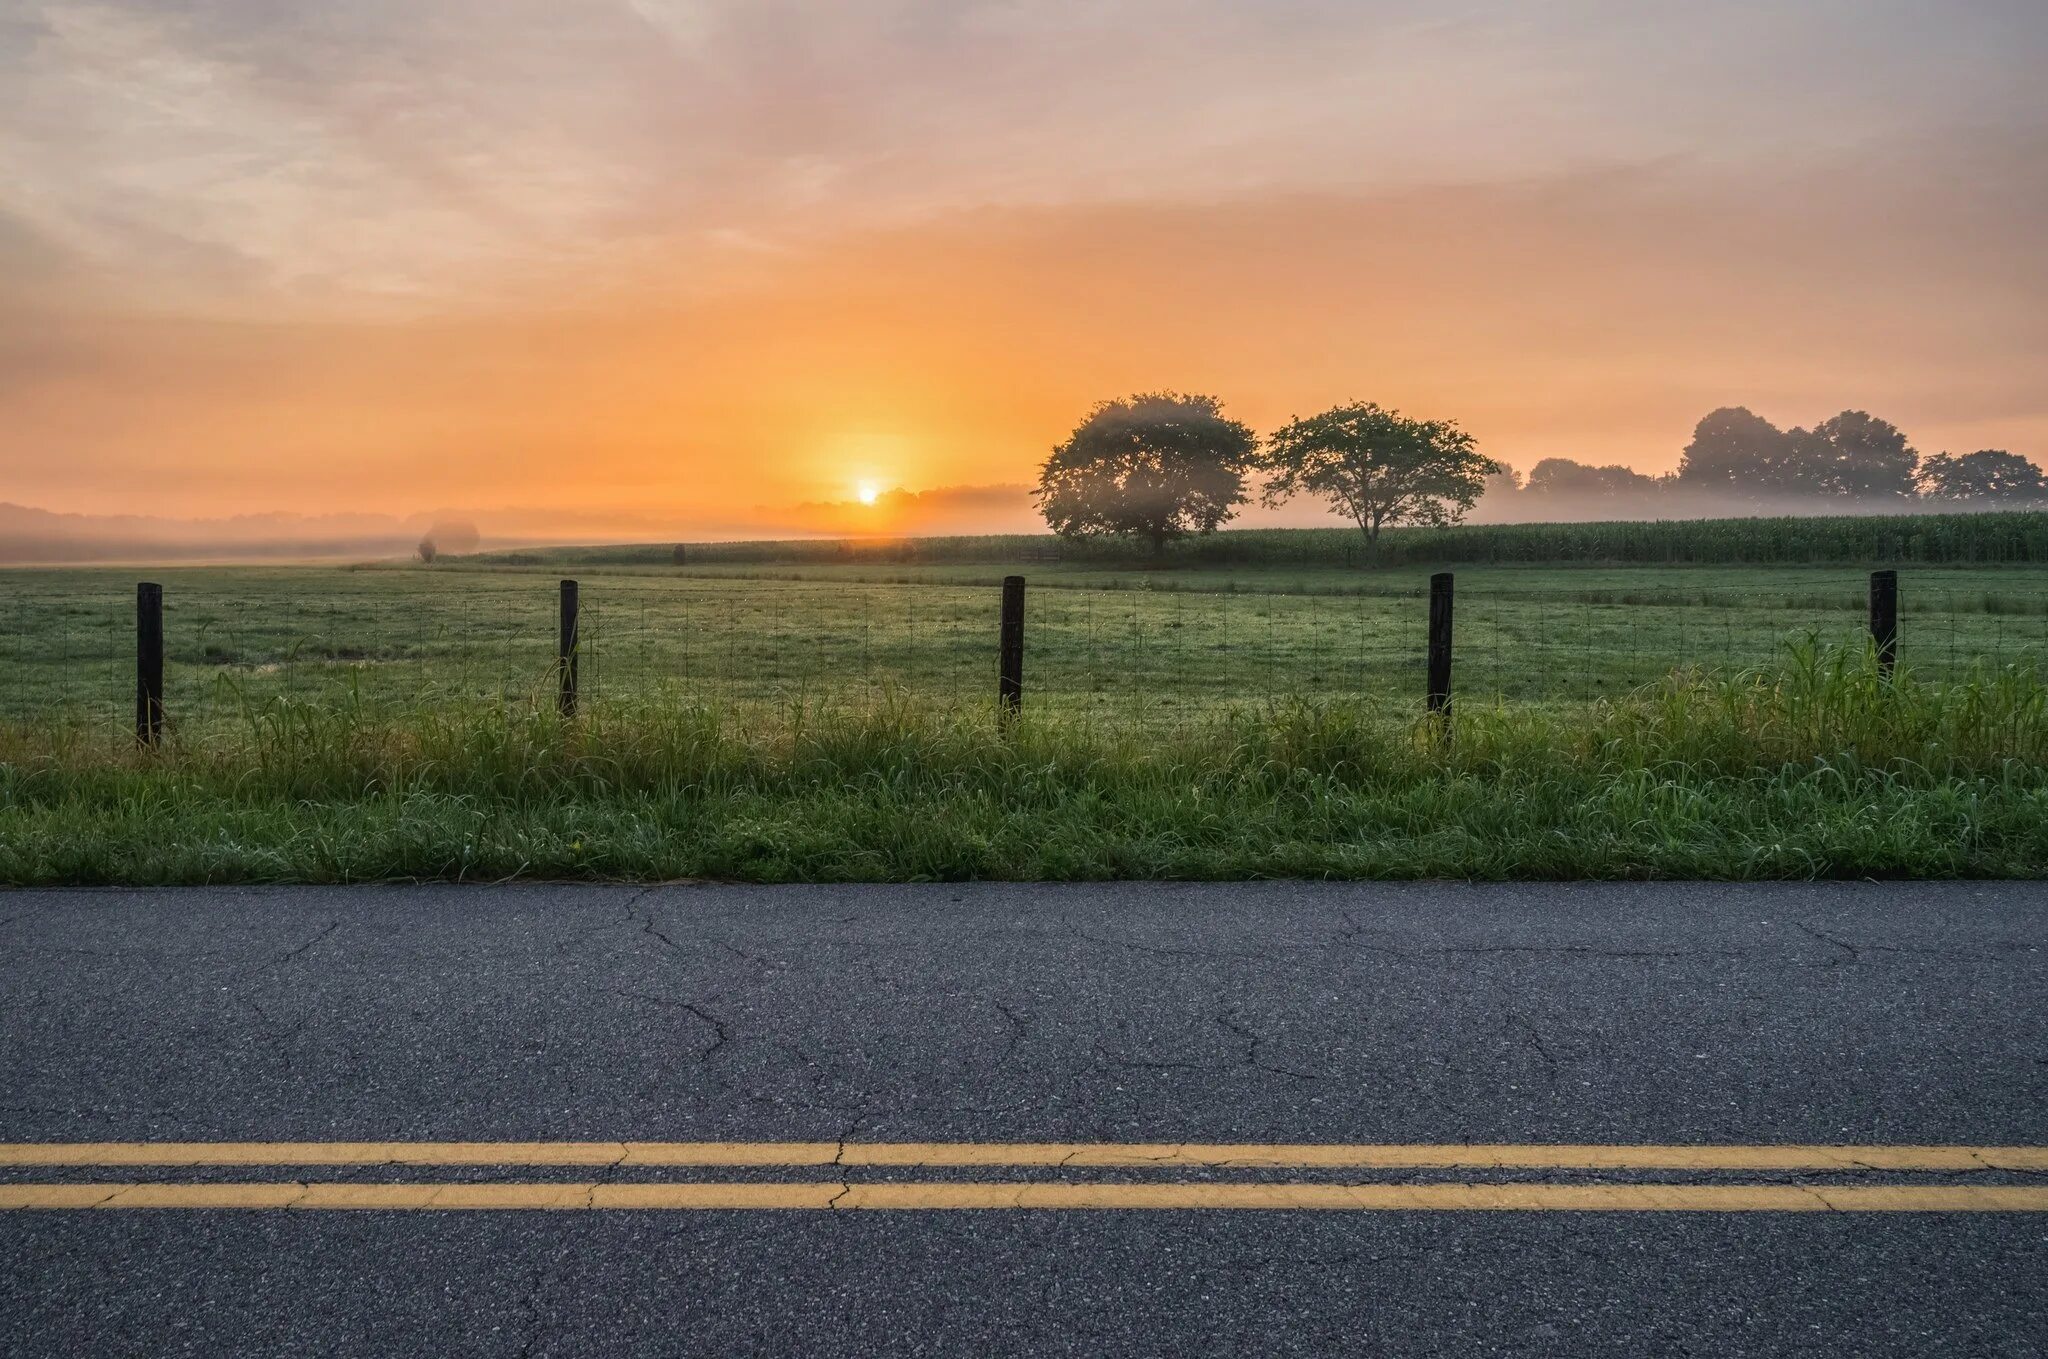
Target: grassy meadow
1824,770
1148,648
831,717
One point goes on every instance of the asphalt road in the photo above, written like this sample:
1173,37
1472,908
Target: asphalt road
1278,1013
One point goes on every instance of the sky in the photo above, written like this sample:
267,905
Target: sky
654,267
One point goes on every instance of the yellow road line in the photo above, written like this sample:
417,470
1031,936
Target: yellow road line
1062,1154
1377,1197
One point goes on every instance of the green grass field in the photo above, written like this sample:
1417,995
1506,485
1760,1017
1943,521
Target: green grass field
834,719
1825,771
1134,647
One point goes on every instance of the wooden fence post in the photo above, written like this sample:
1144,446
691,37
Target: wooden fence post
1010,666
149,664
566,649
1440,645
1884,619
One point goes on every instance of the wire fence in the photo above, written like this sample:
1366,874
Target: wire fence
388,644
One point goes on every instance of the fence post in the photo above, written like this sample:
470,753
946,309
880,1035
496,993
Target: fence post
1884,618
1440,645
149,663
1010,666
565,651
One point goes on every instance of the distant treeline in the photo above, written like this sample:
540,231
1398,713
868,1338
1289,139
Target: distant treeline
1851,459
2003,537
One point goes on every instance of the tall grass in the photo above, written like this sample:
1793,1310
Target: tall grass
1821,768
1982,538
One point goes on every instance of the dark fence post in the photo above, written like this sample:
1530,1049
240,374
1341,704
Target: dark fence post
1010,667
566,649
1440,644
149,663
1884,618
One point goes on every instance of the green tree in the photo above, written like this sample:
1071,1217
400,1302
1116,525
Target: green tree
1989,474
1157,466
1735,449
1855,454
1566,477
1377,467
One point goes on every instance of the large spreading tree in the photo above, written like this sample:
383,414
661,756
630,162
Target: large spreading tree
1854,455
1156,466
1735,449
1378,467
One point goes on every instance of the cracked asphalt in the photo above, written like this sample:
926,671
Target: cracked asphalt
1283,1012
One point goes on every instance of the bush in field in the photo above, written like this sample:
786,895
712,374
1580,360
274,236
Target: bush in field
1157,466
1378,467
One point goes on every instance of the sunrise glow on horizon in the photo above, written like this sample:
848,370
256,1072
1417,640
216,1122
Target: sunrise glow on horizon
661,268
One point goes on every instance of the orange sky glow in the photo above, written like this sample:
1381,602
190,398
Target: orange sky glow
655,270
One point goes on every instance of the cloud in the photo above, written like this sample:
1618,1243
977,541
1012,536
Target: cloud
1592,315
655,263
428,150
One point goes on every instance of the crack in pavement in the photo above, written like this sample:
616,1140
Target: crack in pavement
1535,1037
1019,1030
649,924
1250,1058
1855,954
564,945
853,1122
1351,936
290,955
1253,1040
721,1034
1155,950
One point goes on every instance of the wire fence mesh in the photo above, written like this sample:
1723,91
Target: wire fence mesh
385,644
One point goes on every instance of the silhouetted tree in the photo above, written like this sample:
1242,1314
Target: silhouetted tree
1735,449
1989,474
1563,476
1855,454
681,555
427,550
452,535
1377,467
1158,466
1502,485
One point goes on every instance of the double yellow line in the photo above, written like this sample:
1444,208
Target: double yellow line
839,1193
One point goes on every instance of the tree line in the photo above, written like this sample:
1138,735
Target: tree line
1163,465
1736,454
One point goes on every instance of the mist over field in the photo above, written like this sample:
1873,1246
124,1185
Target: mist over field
31,536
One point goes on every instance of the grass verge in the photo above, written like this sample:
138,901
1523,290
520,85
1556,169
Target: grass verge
1819,769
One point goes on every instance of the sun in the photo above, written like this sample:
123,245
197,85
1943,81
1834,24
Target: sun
868,492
